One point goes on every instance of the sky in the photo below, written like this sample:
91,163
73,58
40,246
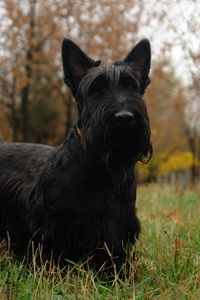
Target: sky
180,27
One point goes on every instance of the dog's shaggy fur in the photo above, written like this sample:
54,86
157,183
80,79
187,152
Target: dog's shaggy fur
78,199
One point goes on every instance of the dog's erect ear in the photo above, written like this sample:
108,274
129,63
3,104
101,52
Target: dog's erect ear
140,56
75,64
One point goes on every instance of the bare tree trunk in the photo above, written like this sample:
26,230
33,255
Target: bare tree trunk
28,69
13,111
191,141
24,107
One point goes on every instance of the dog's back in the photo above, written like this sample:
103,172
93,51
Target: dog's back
22,160
20,166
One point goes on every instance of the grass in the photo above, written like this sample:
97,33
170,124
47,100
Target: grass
167,264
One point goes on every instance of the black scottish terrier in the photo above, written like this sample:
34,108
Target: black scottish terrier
78,199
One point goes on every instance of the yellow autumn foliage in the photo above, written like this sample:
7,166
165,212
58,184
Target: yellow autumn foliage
177,162
165,163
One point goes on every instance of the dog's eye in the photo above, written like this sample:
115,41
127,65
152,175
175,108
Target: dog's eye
127,82
99,85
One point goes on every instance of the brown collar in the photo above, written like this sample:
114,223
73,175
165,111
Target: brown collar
78,131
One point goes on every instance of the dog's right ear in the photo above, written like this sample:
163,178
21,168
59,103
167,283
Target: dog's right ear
75,64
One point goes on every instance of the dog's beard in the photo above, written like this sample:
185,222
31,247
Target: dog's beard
113,142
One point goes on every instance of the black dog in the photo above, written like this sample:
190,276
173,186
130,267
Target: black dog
79,199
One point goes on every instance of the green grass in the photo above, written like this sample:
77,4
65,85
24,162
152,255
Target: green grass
167,264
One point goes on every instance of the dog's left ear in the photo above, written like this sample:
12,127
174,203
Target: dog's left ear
75,64
140,56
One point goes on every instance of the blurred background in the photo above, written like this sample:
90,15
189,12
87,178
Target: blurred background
35,105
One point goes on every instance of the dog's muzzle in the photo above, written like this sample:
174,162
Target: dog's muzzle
123,128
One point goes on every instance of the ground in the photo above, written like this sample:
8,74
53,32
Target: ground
167,263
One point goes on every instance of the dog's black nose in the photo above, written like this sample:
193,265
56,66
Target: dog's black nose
124,117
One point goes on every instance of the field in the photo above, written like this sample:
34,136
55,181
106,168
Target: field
167,264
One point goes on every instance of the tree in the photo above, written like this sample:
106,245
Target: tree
31,51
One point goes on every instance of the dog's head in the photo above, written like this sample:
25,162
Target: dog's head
112,115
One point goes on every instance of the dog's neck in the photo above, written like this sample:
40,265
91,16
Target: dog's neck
107,167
